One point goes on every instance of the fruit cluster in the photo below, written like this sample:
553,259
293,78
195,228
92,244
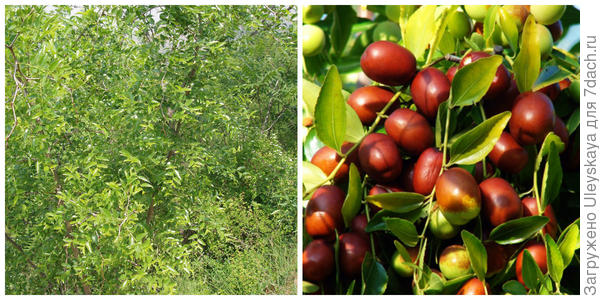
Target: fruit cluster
446,186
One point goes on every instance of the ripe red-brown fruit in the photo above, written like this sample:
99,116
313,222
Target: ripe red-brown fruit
324,212
317,261
561,130
430,88
530,208
458,196
556,29
327,159
551,91
407,175
427,170
473,286
508,155
410,130
478,173
502,103
451,72
368,101
500,201
532,118
358,224
380,158
501,80
353,247
496,258
538,252
388,63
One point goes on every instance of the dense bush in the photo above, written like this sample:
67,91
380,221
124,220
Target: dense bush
150,149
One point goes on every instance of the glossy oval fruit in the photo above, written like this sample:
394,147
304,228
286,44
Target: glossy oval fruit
353,248
538,252
478,172
547,14
450,73
454,262
358,224
317,261
313,40
380,158
500,202
530,208
473,286
327,159
544,40
387,31
496,258
400,266
561,130
551,91
430,88
501,80
458,196
508,155
410,130
440,227
532,118
427,170
312,13
324,211
458,24
477,12
556,29
388,63
518,12
407,175
368,101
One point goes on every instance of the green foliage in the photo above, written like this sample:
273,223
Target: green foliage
152,150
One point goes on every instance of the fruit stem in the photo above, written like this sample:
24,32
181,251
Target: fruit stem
509,60
368,216
345,155
445,145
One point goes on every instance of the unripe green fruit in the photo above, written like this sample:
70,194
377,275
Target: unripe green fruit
312,13
387,31
547,14
392,12
477,12
454,262
440,227
574,90
400,265
544,40
518,12
313,40
459,25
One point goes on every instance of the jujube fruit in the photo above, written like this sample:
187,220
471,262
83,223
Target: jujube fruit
387,31
538,253
313,40
532,118
496,258
458,24
551,91
358,224
508,155
518,12
430,88
399,264
544,40
388,63
381,189
312,13
561,130
327,159
368,101
477,12
317,261
530,208
406,177
380,158
353,247
478,172
454,262
427,170
574,90
501,80
500,202
450,73
547,14
324,211
458,196
410,130
440,227
556,29
473,286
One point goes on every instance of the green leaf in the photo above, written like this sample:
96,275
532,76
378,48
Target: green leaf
402,250
351,204
551,138
404,230
568,242
514,287
311,175
550,75
452,286
489,24
552,178
310,94
472,81
400,202
573,122
477,254
377,222
309,287
350,290
420,30
354,128
517,230
312,144
330,111
531,272
527,64
343,19
509,28
374,277
555,261
474,145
